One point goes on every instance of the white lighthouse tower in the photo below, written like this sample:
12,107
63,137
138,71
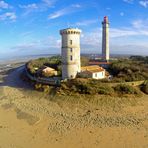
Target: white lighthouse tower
105,39
70,51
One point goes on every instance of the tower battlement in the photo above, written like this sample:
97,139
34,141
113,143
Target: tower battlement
70,31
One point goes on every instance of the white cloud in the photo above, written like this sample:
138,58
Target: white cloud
108,8
129,1
121,13
137,23
144,3
65,11
140,24
76,5
37,7
122,41
29,6
4,5
86,22
8,16
59,13
49,3
49,45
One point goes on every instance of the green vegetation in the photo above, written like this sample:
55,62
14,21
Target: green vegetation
84,86
129,70
88,87
140,58
125,89
35,66
133,69
95,87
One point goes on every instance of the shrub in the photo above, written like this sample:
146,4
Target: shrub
105,90
46,88
38,86
87,86
129,70
125,89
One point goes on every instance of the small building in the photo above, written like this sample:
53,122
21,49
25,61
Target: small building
95,72
48,71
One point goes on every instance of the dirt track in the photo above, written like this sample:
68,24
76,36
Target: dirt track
34,120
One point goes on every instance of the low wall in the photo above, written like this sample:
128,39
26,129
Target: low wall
134,83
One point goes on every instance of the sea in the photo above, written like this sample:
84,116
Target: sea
16,59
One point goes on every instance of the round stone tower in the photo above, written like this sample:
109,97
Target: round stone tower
105,39
71,64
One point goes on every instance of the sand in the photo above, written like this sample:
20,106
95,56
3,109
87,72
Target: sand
31,119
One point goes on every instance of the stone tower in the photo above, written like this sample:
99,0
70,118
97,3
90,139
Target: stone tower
71,64
105,39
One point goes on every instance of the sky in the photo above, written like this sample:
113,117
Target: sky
30,27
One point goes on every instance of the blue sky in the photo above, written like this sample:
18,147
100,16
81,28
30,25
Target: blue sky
32,26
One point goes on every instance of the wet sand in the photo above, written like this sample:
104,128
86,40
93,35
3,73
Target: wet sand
32,119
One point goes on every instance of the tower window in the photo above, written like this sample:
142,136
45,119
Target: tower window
71,58
70,42
70,49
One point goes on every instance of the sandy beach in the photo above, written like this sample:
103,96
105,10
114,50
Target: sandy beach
31,119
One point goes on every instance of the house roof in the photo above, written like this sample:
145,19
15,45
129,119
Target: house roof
92,69
96,70
48,69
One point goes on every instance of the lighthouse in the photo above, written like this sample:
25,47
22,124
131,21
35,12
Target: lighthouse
71,64
105,39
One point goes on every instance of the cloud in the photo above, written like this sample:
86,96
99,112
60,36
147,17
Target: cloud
137,23
37,7
122,40
49,3
4,5
121,13
29,6
86,22
65,11
48,42
144,3
140,24
8,16
108,8
76,5
129,1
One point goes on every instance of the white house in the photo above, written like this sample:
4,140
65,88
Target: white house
95,72
48,71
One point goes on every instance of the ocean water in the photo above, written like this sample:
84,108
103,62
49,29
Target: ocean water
13,59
